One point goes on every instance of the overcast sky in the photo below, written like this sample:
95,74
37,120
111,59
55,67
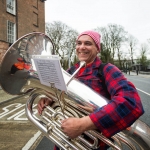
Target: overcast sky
133,15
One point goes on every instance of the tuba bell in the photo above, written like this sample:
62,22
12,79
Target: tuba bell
18,76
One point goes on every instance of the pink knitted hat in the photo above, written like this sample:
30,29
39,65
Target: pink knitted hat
94,35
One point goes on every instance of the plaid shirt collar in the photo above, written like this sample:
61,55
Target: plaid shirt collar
96,63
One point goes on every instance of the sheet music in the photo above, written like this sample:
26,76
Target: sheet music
49,71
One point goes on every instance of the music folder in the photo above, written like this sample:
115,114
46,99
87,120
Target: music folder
49,71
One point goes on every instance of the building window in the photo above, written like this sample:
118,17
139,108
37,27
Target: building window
10,6
10,32
35,19
35,3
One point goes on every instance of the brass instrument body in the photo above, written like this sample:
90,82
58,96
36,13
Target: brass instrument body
26,81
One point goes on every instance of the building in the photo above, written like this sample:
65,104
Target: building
19,17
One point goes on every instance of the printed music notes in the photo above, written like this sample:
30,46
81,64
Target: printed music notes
49,71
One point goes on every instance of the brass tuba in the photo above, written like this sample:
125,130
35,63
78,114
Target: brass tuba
18,76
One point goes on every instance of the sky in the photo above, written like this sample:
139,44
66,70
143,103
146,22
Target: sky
81,15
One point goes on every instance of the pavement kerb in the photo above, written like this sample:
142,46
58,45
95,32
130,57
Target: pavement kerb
140,74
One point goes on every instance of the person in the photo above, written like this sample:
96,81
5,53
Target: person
17,66
137,70
20,65
124,106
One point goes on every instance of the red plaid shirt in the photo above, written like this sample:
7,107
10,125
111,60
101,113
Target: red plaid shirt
125,105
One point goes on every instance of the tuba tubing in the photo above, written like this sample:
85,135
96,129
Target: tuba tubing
43,127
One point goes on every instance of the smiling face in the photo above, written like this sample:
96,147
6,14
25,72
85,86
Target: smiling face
86,49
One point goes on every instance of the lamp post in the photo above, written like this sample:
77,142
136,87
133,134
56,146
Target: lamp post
69,60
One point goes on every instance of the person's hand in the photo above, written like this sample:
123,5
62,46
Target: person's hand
74,127
42,103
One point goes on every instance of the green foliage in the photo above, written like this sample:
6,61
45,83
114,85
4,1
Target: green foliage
65,64
143,59
75,60
105,54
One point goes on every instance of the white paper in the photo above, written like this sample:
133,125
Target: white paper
49,71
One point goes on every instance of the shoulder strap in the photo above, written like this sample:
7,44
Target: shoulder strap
100,72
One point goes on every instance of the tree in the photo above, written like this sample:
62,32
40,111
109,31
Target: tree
64,39
117,38
113,37
132,41
70,45
143,59
105,53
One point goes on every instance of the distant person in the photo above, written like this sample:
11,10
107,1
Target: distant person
17,66
137,70
129,70
20,65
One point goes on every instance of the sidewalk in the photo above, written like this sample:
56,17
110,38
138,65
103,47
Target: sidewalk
140,74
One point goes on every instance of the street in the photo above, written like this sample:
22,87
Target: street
17,132
15,128
142,84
